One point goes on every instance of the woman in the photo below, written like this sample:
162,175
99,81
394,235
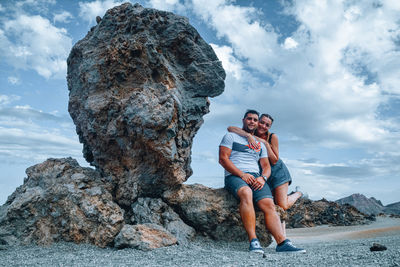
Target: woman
280,179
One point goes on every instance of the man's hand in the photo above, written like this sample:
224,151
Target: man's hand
258,183
248,178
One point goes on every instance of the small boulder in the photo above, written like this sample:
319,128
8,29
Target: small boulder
377,247
144,237
155,211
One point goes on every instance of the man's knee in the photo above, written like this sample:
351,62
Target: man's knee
266,205
245,194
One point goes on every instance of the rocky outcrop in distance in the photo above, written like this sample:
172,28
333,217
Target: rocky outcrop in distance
393,209
138,85
308,213
370,205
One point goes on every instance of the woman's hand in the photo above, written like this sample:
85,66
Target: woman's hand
253,142
258,184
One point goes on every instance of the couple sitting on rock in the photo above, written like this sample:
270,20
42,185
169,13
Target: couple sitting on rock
247,160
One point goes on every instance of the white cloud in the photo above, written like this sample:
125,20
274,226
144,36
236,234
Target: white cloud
168,5
88,11
239,25
290,43
1,8
32,42
314,93
35,2
30,135
229,62
32,6
13,80
64,17
7,99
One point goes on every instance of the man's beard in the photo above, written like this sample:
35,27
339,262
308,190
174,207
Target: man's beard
246,128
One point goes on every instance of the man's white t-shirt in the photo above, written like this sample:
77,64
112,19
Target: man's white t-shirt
242,156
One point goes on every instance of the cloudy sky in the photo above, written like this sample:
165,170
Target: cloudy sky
327,71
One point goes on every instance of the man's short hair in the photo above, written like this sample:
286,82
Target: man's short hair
251,111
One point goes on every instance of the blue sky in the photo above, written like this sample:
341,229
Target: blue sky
327,71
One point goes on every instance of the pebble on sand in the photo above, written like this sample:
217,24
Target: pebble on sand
377,247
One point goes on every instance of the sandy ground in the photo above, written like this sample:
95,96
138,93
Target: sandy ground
326,246
383,226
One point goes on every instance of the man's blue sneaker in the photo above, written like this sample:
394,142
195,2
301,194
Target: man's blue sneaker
255,246
287,246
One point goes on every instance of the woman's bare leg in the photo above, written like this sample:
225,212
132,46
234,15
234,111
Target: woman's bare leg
282,199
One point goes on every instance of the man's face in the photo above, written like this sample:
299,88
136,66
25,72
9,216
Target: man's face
250,122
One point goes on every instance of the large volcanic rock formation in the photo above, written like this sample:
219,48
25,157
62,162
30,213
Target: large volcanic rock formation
139,83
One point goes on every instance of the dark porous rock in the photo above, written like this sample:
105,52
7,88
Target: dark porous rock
377,247
144,237
155,211
308,213
213,213
139,84
61,201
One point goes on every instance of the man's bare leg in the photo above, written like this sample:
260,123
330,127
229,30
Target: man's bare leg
283,225
272,220
247,212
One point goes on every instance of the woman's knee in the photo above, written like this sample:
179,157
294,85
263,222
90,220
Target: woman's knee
283,204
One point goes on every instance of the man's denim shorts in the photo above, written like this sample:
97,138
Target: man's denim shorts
233,183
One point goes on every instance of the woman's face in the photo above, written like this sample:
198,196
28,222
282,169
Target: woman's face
264,124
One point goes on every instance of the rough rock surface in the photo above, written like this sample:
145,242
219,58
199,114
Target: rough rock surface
144,237
213,213
155,211
139,84
308,213
60,200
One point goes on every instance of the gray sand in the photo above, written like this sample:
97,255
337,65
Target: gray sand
343,246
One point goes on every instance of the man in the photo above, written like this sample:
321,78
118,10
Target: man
244,181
